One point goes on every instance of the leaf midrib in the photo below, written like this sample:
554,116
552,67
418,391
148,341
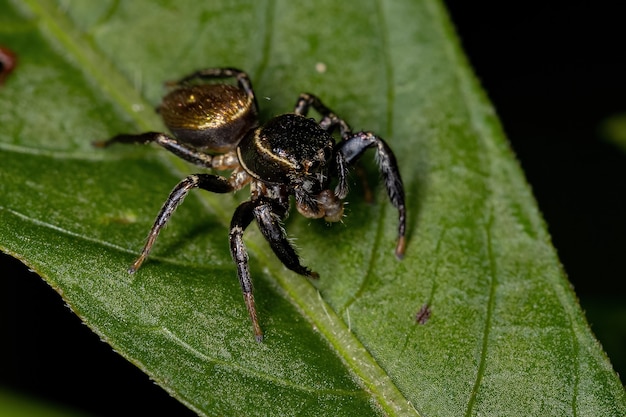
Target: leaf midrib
120,91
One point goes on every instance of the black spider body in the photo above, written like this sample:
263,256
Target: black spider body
216,126
290,149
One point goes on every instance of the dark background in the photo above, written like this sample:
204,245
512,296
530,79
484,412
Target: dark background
554,74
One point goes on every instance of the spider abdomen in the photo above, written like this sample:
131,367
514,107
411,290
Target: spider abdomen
212,117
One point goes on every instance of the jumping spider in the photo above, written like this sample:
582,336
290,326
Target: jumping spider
216,126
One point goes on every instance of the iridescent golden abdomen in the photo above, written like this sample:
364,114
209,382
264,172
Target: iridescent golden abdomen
211,117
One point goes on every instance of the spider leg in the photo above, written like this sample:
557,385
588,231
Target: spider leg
268,216
341,190
353,147
206,182
186,152
330,121
241,219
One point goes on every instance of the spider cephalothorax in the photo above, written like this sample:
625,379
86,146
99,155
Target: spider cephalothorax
216,126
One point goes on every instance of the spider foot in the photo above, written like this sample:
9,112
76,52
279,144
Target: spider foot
400,246
258,333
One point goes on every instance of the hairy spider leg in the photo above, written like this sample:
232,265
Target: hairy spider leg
220,162
208,182
268,215
350,149
242,218
330,121
353,147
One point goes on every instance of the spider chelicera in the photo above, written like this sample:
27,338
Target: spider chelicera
216,126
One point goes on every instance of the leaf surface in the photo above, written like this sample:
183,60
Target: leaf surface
505,334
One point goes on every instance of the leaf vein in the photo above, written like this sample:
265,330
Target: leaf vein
488,318
243,370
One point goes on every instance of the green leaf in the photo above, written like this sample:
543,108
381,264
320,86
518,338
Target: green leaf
505,336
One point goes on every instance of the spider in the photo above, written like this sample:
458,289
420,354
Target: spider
215,125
